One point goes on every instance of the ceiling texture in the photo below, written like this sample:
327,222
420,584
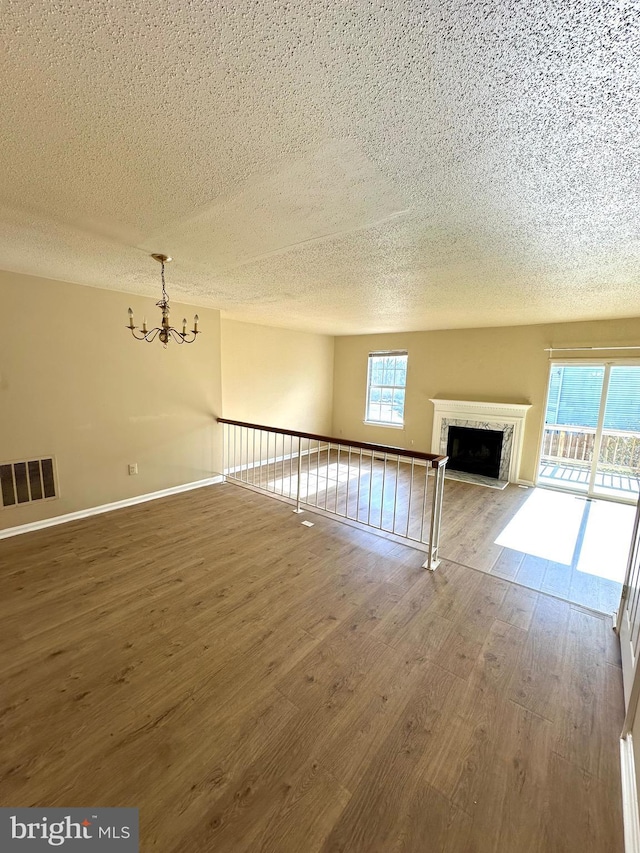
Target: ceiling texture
341,167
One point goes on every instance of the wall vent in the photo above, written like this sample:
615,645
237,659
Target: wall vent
25,482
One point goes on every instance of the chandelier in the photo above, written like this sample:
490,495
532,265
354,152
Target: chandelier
165,332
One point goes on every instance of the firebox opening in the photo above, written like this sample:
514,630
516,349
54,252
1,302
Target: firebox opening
475,451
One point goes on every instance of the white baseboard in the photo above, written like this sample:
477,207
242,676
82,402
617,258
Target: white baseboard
97,510
630,816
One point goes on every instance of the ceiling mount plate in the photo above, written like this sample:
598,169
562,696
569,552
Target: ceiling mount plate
162,259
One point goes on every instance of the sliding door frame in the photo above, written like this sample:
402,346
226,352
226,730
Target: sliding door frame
593,471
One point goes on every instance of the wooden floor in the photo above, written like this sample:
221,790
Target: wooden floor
557,543
252,684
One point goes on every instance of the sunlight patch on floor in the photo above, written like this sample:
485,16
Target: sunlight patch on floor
546,526
589,536
605,545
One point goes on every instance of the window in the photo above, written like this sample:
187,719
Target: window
574,395
575,392
386,383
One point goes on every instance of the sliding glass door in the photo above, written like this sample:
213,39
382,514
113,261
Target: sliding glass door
591,439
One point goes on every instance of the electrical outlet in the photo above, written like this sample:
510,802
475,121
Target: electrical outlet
133,469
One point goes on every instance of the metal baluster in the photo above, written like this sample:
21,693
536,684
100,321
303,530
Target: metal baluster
413,463
395,496
245,462
335,502
348,479
290,464
329,451
253,458
359,479
424,501
436,517
267,480
297,509
317,469
225,447
384,479
274,453
266,459
258,460
235,449
370,489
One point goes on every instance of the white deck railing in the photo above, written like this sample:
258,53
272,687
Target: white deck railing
619,451
385,488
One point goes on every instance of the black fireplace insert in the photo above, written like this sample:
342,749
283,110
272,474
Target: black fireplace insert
475,451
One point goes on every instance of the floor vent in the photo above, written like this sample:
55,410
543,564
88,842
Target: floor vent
24,482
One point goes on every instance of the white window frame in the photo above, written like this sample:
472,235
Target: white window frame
370,386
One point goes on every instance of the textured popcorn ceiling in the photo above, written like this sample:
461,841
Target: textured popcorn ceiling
335,166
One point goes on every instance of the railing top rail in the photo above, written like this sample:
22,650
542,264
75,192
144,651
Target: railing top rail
570,428
587,430
434,460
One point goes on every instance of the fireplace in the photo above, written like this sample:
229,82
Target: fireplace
507,419
475,451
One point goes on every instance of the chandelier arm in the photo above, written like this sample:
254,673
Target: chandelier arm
141,337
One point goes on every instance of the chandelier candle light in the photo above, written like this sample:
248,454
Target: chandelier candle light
165,332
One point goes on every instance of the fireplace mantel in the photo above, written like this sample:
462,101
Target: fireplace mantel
506,416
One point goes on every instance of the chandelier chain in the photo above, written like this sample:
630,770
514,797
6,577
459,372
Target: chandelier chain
165,298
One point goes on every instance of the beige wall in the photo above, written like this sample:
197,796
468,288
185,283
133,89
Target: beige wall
277,377
75,384
506,365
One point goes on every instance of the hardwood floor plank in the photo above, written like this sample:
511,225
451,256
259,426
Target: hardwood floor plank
518,607
532,571
557,579
596,815
507,564
465,641
430,818
306,817
536,683
350,746
453,597
589,722
330,674
370,820
489,679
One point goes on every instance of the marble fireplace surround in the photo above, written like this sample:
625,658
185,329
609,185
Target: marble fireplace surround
507,418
